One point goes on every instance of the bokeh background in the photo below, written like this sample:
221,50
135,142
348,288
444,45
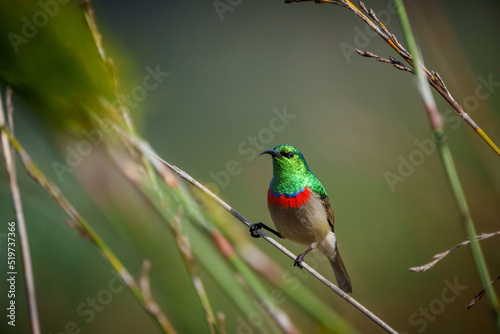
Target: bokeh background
355,120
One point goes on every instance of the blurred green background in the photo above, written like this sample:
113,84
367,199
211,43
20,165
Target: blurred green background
230,75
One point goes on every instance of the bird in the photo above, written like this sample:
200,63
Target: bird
301,211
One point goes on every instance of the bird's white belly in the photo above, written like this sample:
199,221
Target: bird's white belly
304,225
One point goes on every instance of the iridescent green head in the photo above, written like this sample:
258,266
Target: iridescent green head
288,160
291,172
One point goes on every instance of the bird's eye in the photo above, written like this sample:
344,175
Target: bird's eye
289,155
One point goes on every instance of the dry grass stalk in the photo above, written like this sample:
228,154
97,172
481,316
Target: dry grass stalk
150,304
370,18
440,256
29,279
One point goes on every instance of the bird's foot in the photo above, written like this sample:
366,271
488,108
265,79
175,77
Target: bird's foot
255,228
298,261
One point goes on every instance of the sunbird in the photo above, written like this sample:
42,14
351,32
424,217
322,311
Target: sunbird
301,211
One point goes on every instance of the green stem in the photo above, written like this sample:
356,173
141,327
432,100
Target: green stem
449,166
468,224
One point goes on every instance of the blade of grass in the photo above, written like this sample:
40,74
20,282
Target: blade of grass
184,247
84,227
450,169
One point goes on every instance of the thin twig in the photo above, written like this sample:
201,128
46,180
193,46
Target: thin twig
29,280
187,254
479,295
393,61
155,159
435,81
440,256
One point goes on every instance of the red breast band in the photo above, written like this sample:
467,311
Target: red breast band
290,201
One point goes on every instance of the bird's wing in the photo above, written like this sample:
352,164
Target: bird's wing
329,212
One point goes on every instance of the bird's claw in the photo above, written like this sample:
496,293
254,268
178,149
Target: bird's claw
298,261
254,230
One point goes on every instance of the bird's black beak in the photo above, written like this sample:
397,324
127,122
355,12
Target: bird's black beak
272,152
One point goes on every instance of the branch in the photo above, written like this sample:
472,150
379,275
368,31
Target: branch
440,256
158,164
10,164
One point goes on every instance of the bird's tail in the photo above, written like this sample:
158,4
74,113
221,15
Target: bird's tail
341,275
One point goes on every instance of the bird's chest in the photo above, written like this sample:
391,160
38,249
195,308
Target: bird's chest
302,219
